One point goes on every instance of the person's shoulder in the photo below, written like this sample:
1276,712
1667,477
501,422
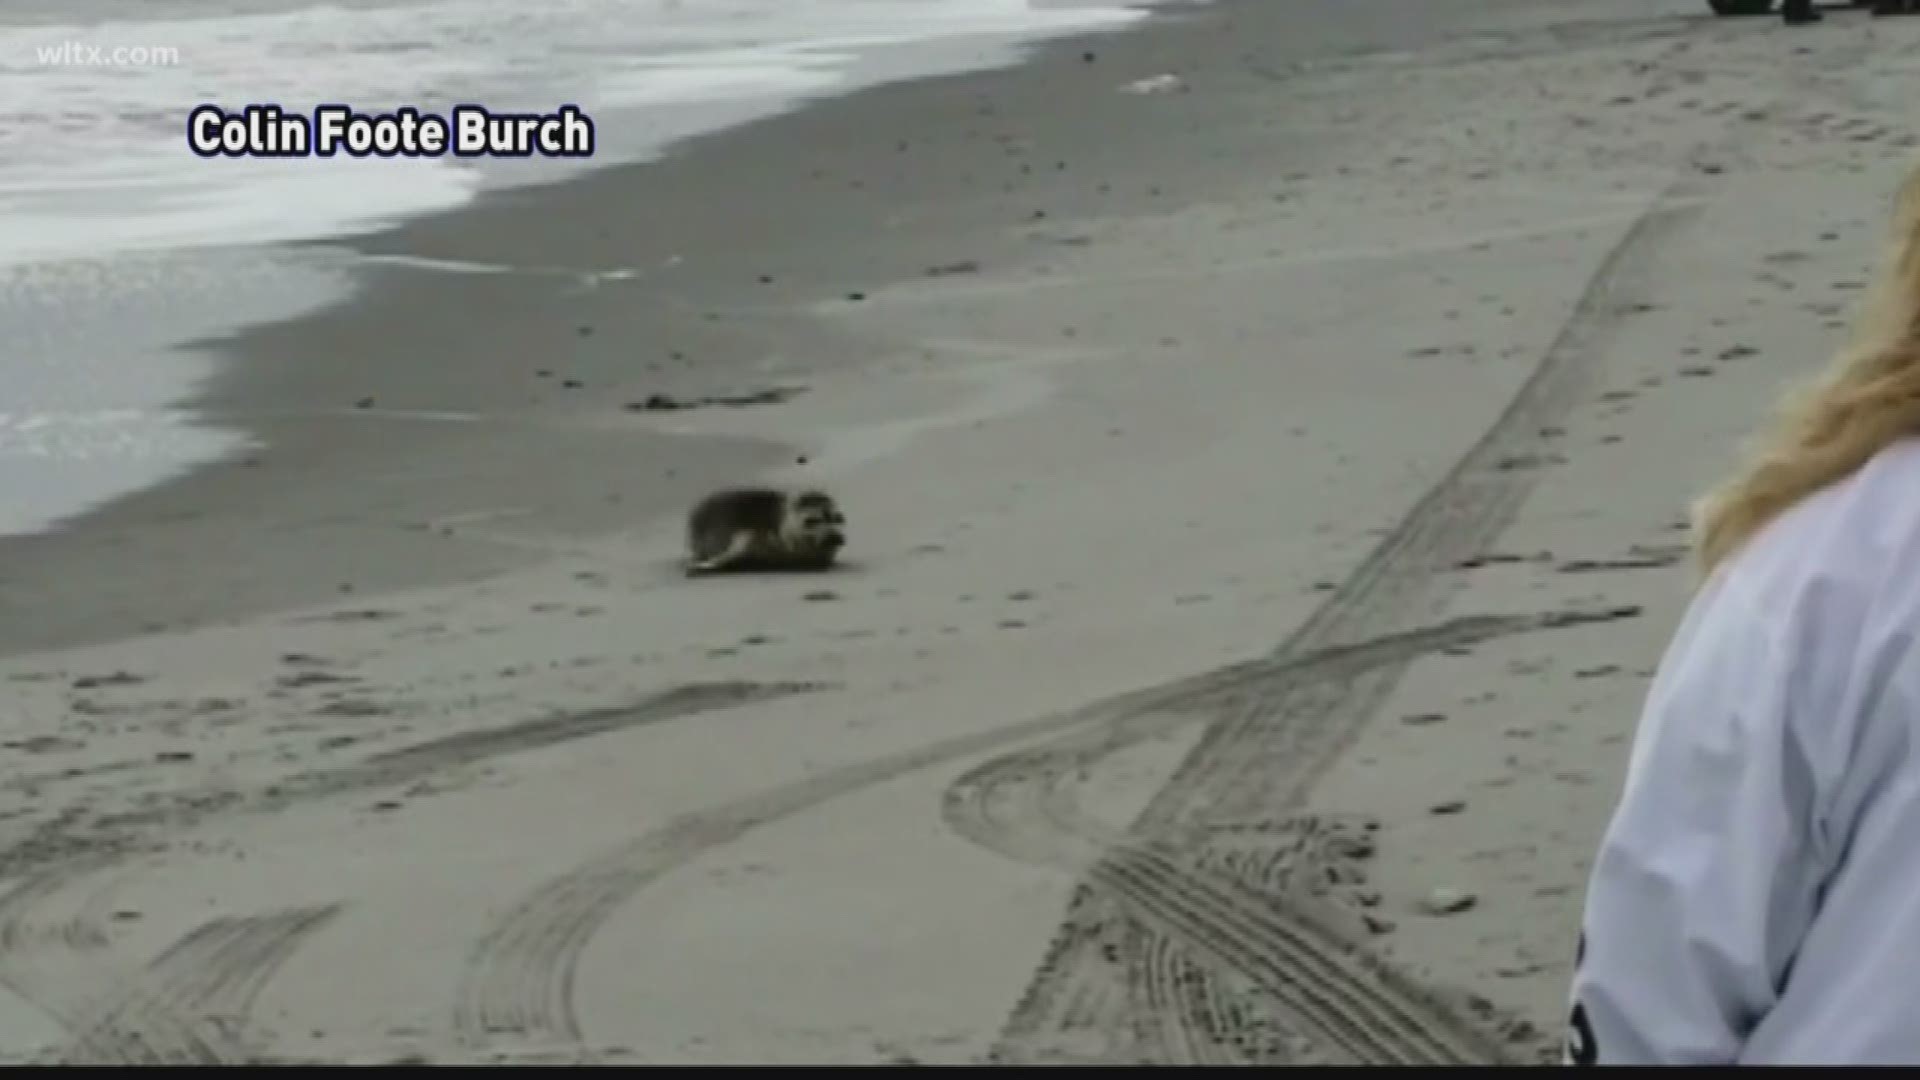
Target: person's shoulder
1838,573
1848,550
1800,632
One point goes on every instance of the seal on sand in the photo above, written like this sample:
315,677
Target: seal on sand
764,529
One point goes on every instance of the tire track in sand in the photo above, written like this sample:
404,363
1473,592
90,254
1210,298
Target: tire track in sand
62,963
1017,805
1020,805
1306,970
1260,756
1252,761
188,1006
518,984
192,1006
1365,1011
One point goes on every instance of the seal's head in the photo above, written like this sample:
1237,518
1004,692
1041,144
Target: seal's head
814,524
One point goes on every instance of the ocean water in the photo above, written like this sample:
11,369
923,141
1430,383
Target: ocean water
118,244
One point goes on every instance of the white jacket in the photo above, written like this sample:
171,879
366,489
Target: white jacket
1756,896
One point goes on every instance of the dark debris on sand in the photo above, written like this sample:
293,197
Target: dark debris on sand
668,403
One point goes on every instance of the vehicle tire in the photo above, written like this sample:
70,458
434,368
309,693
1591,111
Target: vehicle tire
1730,8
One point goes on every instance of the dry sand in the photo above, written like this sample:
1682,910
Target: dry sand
1265,502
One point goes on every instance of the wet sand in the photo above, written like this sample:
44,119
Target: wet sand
1264,495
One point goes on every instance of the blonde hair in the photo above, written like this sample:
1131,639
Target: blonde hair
1867,399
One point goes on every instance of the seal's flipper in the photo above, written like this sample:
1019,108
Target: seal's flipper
737,548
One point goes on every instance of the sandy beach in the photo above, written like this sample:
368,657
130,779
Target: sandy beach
1266,488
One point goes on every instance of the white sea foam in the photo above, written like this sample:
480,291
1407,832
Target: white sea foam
93,155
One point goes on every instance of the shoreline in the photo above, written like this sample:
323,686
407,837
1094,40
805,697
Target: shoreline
276,398
161,293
